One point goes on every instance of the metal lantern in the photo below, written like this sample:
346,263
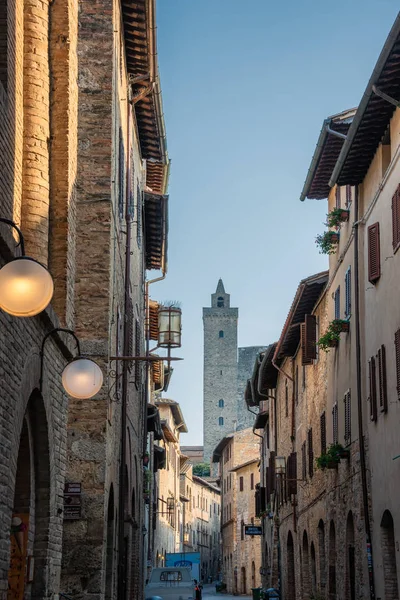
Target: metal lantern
169,327
280,465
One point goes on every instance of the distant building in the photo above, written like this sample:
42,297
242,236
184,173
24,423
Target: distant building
226,370
194,453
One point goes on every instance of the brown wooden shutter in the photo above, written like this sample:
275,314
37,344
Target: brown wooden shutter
383,402
310,453
323,432
397,348
396,219
304,359
310,335
292,474
263,498
335,419
304,461
257,502
348,195
372,389
347,418
272,470
374,255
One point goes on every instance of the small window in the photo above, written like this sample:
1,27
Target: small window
252,481
220,302
221,404
221,421
241,486
171,576
221,334
337,303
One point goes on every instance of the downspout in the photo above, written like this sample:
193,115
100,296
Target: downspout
359,401
125,365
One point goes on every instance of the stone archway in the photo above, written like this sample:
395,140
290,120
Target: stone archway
350,559
313,569
389,557
332,561
29,546
291,578
243,581
322,555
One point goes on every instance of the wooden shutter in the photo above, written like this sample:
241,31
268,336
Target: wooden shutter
121,175
292,474
335,422
304,461
337,303
304,359
337,196
139,215
257,502
347,418
347,309
322,421
396,219
268,488
310,453
397,348
310,335
348,195
383,401
372,389
137,351
263,498
272,470
374,255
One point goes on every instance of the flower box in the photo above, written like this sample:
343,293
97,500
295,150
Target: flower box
341,326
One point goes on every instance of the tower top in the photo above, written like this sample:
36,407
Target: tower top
220,299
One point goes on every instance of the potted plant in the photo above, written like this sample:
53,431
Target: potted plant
327,242
341,325
337,216
331,458
330,339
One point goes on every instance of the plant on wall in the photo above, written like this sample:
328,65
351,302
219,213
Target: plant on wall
327,242
337,216
331,458
331,337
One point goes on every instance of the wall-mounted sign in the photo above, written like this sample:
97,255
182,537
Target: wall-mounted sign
72,501
253,530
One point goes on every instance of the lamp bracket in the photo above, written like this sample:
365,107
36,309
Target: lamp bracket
17,229
52,332
145,358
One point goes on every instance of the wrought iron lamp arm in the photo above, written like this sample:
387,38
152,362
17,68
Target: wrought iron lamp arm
55,330
17,229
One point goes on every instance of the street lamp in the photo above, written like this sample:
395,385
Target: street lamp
26,286
280,465
169,327
82,378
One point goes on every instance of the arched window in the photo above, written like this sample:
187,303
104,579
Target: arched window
220,302
221,334
221,403
221,421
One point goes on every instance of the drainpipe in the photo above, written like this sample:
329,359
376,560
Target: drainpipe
124,400
359,401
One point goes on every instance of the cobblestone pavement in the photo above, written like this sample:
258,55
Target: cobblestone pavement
209,594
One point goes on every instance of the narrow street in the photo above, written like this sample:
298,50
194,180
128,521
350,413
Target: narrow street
210,594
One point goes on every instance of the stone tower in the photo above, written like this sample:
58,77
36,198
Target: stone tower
220,369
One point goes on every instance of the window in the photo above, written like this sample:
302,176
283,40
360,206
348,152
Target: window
3,43
221,334
171,576
337,197
241,484
347,418
310,453
337,303
322,421
304,461
347,281
383,401
296,384
221,421
304,378
396,219
252,481
374,254
335,423
220,302
397,348
348,196
242,530
372,390
121,175
221,403
286,399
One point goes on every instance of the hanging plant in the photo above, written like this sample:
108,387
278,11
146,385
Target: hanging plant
327,242
337,216
331,458
340,325
331,337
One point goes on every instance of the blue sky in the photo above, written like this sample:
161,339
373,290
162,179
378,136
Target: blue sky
246,86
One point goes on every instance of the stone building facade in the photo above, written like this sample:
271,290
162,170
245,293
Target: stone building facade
237,450
226,370
84,172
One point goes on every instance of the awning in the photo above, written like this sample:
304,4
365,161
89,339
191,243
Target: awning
159,457
168,433
153,422
156,230
268,374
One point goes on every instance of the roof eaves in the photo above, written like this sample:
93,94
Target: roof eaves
245,464
220,447
376,73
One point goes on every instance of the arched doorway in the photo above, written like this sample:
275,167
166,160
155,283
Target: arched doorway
291,581
332,561
31,505
322,555
313,569
110,545
243,581
350,559
389,556
306,567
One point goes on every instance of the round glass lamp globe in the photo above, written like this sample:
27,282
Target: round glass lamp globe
82,378
26,287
